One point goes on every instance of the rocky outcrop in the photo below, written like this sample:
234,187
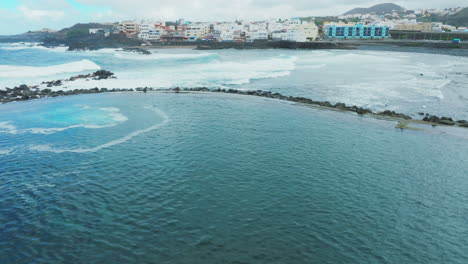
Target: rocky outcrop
442,120
393,114
98,75
23,93
138,50
82,42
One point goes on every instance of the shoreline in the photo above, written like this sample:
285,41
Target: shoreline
25,93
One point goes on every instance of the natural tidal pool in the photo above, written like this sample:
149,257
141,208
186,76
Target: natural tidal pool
217,178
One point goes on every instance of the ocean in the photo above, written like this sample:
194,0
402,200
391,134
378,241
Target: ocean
221,178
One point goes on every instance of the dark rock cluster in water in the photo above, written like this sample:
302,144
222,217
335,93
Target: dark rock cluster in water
24,92
138,50
98,75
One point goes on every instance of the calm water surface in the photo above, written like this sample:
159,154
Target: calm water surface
197,178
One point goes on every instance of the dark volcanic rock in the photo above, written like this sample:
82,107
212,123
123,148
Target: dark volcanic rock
24,92
138,50
393,114
102,74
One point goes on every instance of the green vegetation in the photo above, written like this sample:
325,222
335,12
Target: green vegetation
77,32
459,19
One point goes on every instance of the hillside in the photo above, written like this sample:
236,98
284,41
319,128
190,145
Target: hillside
81,29
459,19
380,9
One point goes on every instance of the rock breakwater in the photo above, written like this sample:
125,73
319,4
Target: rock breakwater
24,92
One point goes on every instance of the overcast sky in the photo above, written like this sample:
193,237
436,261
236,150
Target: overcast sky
18,16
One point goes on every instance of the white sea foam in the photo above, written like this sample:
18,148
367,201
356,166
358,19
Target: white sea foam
7,127
114,114
56,49
29,71
214,73
162,56
110,143
6,151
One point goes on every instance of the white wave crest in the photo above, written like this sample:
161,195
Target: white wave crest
29,71
121,140
36,47
163,56
215,73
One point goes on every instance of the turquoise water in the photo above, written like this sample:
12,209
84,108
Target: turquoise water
212,178
406,82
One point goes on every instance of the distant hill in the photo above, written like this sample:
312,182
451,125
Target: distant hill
380,9
459,19
81,29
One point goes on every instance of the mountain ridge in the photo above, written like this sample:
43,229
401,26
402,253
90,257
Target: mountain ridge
380,9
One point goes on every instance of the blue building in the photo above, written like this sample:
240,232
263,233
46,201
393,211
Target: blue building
357,32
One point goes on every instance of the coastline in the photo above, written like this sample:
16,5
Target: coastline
24,93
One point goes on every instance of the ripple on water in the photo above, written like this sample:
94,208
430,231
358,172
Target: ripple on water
233,179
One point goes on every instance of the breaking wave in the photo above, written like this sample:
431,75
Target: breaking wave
213,74
164,56
30,71
56,49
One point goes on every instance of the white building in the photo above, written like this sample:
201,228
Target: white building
129,27
256,35
197,30
279,35
310,31
152,31
95,30
295,35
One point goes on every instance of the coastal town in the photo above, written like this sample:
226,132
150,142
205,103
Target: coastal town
377,22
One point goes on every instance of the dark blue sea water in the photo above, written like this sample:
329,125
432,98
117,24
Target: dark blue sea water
407,82
211,178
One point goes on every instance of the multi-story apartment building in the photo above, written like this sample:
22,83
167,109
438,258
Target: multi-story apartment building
197,31
423,27
152,31
310,31
129,27
295,35
357,32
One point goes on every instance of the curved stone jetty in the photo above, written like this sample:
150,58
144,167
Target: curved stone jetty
24,92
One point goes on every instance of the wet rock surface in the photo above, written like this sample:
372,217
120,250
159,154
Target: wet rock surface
24,92
98,75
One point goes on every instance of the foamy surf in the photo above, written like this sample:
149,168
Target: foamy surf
30,71
36,47
213,74
163,56
121,140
